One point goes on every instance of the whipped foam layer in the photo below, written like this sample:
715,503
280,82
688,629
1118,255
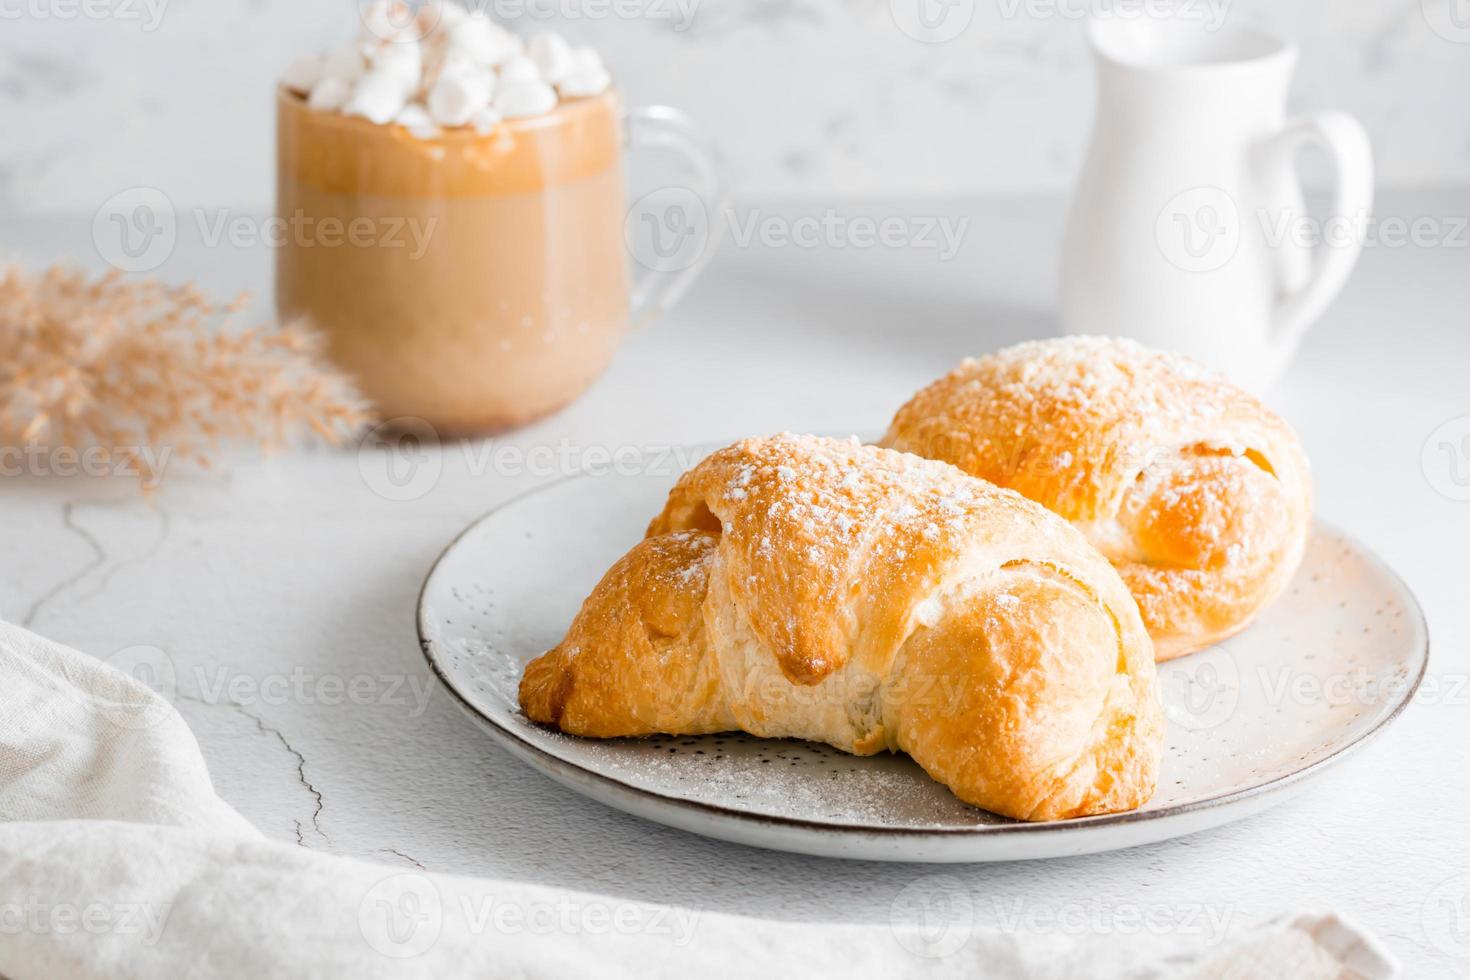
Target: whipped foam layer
441,66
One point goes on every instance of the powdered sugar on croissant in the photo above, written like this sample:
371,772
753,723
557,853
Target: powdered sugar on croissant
814,588
1198,493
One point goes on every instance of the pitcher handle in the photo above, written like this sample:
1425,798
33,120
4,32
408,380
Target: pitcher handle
1347,143
683,224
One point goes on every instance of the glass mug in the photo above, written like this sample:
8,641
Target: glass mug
477,282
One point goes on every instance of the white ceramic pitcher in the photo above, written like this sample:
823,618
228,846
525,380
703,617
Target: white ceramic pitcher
1188,230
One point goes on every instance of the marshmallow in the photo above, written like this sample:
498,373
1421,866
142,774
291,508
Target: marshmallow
434,63
456,97
524,98
520,69
329,94
403,60
585,83
451,63
379,97
458,63
483,41
485,121
552,55
302,75
415,118
346,63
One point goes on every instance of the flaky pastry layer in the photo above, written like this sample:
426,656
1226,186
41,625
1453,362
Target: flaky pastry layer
872,600
1198,493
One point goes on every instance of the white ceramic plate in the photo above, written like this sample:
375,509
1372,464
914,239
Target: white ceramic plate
1325,668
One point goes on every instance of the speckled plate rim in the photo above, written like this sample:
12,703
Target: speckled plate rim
825,838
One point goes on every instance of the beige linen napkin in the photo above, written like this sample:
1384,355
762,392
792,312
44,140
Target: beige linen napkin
117,859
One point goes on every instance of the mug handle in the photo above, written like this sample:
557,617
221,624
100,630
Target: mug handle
666,278
1347,144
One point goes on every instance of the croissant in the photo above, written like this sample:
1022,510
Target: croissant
798,587
1198,494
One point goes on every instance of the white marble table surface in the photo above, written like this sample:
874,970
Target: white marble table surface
268,583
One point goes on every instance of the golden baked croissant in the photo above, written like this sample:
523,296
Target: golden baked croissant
797,587
1198,494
